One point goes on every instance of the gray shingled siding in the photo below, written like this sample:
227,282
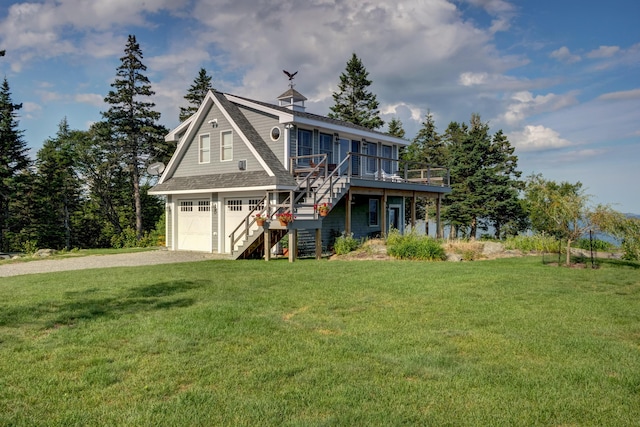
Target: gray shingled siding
334,224
189,165
263,123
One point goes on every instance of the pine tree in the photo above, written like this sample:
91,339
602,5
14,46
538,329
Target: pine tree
395,128
196,94
13,157
354,103
134,122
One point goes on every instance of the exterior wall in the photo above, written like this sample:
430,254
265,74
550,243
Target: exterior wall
263,123
215,221
333,224
189,164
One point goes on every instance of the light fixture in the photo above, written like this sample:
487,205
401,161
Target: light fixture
336,138
213,123
242,165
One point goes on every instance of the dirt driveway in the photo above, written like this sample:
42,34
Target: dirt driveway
104,261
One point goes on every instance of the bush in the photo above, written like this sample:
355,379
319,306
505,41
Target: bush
414,247
595,244
345,244
535,243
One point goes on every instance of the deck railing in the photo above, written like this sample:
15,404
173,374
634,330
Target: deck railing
365,166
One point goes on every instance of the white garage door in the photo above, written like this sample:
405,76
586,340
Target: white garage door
194,225
236,210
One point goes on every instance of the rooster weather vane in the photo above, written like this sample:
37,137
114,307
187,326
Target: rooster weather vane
291,76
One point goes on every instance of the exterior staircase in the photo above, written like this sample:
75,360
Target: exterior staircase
316,186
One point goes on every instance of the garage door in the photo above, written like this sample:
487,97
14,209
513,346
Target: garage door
194,225
236,210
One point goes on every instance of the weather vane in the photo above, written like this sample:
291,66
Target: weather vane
291,76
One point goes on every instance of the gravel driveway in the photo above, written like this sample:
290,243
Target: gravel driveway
104,261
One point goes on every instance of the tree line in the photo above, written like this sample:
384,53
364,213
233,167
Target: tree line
89,188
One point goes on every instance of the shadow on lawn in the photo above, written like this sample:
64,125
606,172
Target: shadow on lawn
83,306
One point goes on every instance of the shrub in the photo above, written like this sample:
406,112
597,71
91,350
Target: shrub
595,244
468,250
535,243
345,244
414,247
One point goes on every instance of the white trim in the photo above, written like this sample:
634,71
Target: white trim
222,147
223,190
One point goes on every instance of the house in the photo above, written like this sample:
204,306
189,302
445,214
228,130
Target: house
237,158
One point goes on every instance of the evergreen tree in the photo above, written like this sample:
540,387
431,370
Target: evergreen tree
395,128
139,139
504,207
13,158
57,188
354,103
196,94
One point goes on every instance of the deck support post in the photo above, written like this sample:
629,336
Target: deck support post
267,244
439,233
318,243
413,211
293,244
347,220
384,215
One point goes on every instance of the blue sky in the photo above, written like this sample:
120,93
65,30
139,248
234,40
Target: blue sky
560,78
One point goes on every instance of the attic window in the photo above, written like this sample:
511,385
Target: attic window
275,133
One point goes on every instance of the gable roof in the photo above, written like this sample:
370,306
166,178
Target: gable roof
274,172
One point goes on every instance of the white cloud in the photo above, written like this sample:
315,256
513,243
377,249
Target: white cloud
537,138
524,105
564,55
625,94
30,107
91,99
603,52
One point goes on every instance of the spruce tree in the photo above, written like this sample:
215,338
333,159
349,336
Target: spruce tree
395,128
58,189
139,138
13,157
196,94
354,103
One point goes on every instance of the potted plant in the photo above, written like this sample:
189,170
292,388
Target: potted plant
285,218
261,219
323,209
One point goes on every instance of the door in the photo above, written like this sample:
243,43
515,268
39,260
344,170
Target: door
194,225
395,217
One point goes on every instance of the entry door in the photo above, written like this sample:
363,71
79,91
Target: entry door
395,219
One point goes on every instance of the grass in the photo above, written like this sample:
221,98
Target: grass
504,342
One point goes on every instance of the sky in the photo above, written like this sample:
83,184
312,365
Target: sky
561,78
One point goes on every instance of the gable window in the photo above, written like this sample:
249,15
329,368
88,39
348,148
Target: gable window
204,149
226,146
275,133
326,146
373,212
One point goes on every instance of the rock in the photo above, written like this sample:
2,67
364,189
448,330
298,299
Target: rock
44,253
454,257
492,248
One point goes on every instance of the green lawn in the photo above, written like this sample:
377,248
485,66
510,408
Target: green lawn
505,342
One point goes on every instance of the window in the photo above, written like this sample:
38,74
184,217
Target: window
326,146
275,133
204,155
386,154
204,206
234,205
226,146
255,204
373,212
186,206
372,162
305,146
